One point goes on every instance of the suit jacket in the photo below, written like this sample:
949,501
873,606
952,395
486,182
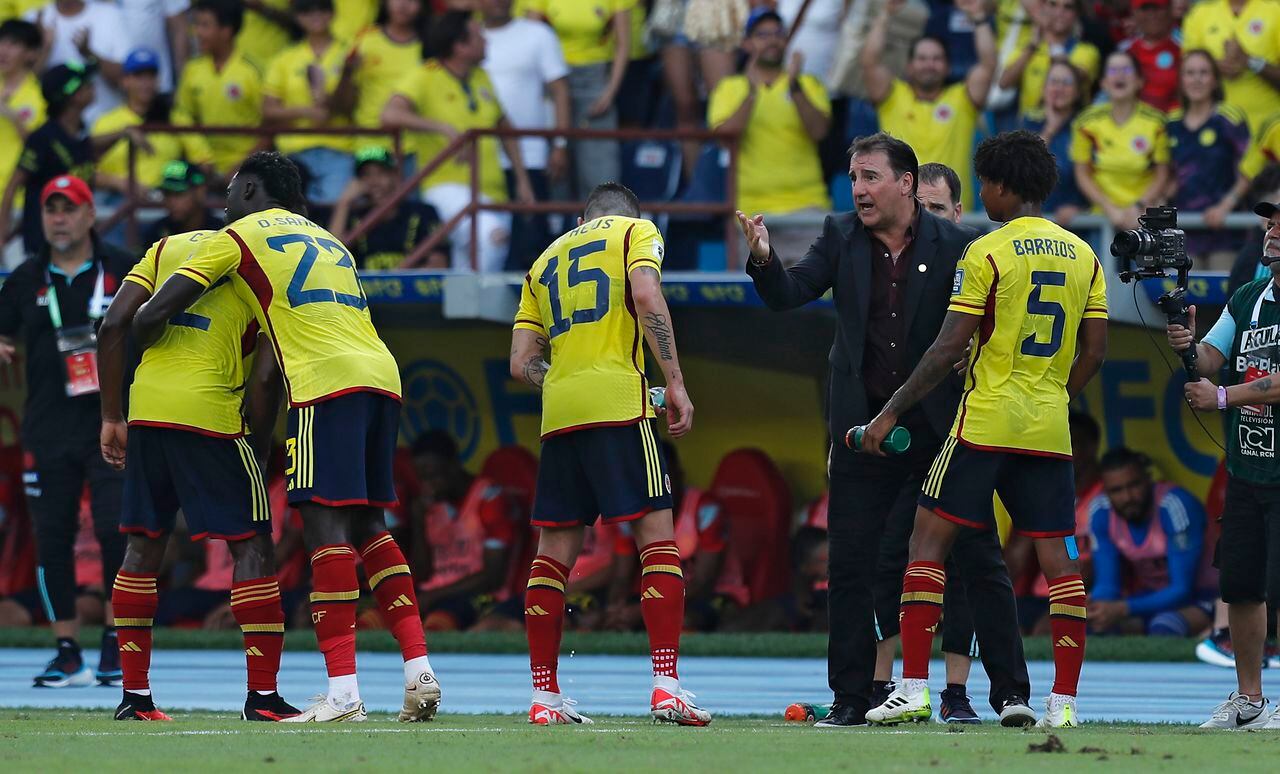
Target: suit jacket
840,261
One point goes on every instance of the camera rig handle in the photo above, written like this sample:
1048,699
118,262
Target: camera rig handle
1175,307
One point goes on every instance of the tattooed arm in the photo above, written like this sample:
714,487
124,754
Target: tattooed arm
530,352
652,311
1203,395
957,330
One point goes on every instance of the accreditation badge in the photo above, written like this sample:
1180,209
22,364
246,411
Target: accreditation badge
79,349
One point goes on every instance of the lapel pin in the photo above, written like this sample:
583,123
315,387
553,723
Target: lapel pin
922,268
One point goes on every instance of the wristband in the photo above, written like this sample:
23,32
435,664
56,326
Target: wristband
1222,399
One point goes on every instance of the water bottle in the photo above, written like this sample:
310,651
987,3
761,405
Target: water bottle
802,712
658,396
896,442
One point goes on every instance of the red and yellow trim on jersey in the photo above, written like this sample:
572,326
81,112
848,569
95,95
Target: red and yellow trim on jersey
985,329
251,272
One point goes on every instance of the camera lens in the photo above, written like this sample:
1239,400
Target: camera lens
1127,243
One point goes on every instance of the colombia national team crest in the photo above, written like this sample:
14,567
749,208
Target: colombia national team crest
1255,27
942,113
1141,144
233,91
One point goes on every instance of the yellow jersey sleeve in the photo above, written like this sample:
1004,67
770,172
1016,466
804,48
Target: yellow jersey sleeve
217,256
645,247
1263,150
115,160
528,315
144,272
972,282
1081,151
411,87
1160,151
816,93
1096,307
1087,59
276,84
726,98
1193,25
900,97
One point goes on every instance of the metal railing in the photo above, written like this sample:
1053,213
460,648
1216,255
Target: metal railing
128,211
469,141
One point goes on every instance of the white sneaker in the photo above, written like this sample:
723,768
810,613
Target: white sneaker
909,703
1237,712
324,712
1059,712
1273,723
670,703
421,699
554,709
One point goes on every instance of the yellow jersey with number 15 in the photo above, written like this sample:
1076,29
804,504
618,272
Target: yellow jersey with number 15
193,377
305,292
578,295
1032,282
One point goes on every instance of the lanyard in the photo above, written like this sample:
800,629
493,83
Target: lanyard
95,303
1257,307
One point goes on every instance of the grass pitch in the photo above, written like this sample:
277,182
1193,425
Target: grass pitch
53,740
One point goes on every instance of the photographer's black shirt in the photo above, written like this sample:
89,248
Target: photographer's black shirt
50,151
391,241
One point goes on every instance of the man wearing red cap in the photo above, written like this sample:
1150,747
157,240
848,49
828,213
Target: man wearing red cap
55,299
1158,54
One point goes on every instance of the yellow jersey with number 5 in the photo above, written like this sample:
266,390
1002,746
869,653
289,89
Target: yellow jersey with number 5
193,377
304,289
578,296
1032,282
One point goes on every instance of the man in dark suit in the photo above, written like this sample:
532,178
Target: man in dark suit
890,266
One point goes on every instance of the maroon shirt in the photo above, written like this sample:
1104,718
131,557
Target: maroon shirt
884,363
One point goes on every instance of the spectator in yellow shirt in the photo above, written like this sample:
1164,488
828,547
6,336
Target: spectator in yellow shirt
1055,35
385,53
1120,149
221,87
781,116
21,105
1265,149
938,121
142,105
312,84
447,95
353,18
1244,37
596,38
268,28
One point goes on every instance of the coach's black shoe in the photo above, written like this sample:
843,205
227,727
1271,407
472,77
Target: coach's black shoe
138,707
271,708
956,708
109,672
1016,713
842,716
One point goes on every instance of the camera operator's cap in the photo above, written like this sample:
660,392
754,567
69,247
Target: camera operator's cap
374,154
1266,209
61,81
141,60
76,190
180,177
762,14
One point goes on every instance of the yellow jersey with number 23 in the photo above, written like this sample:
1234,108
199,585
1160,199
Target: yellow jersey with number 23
578,295
1032,282
305,291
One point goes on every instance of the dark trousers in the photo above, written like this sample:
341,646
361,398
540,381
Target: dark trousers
530,233
870,517
54,487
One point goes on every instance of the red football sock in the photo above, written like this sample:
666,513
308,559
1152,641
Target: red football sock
1067,627
662,604
922,587
333,606
256,606
392,586
544,620
134,599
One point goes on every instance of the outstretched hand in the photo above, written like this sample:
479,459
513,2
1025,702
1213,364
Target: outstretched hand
757,235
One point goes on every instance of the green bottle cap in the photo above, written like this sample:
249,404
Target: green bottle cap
897,441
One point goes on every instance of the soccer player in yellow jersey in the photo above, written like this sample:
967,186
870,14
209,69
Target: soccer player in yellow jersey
185,447
343,389
584,307
1031,298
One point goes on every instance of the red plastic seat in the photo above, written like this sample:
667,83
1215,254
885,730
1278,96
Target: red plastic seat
515,469
757,502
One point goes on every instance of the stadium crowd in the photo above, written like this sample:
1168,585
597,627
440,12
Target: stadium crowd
1142,102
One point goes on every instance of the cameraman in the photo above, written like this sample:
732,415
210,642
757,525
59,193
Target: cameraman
1251,515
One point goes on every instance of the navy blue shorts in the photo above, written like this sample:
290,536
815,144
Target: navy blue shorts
215,481
341,451
613,473
1039,492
